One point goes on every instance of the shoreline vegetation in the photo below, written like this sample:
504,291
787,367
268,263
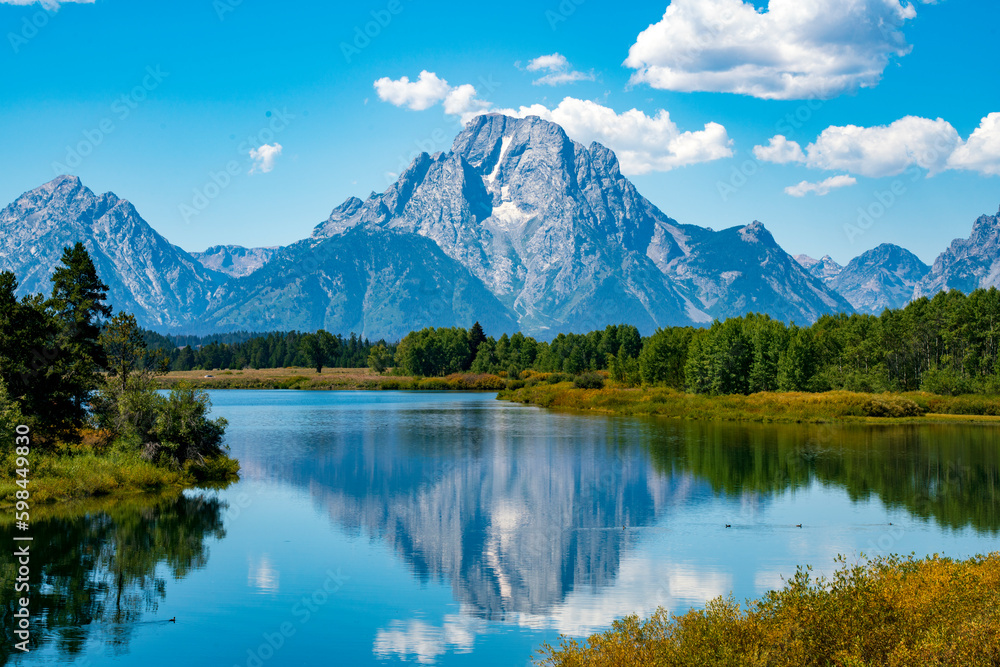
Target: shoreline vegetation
887,611
79,412
560,391
763,407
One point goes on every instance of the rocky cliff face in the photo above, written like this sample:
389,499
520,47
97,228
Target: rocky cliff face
567,243
826,269
161,284
968,263
373,282
884,277
234,260
517,226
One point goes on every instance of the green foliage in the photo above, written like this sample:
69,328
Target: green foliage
126,351
183,430
10,418
379,359
319,348
431,352
50,356
77,304
589,381
889,611
664,356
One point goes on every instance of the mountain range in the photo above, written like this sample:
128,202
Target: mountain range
516,226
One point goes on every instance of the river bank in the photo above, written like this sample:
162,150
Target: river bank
890,611
331,379
87,470
791,407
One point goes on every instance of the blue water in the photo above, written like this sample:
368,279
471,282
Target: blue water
376,528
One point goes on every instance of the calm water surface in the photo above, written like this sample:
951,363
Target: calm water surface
453,529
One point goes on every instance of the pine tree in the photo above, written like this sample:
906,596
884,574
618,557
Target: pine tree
476,338
77,302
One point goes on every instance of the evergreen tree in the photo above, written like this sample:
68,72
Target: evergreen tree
476,338
77,303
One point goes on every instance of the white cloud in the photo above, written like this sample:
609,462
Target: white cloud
264,157
883,150
797,49
47,4
780,151
821,188
558,71
982,151
555,61
642,143
461,101
418,95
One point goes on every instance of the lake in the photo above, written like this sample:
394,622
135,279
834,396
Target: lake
375,528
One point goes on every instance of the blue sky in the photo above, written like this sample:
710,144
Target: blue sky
804,114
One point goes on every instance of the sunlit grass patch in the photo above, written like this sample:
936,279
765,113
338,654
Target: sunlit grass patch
890,611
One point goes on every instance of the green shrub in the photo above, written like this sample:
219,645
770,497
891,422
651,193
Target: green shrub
890,611
589,381
946,383
886,405
183,430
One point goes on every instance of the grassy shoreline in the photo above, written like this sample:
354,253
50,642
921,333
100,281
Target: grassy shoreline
331,379
889,611
835,406
86,471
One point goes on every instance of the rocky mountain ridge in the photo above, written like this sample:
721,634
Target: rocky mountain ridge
517,226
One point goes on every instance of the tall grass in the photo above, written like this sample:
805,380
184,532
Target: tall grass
762,407
70,476
891,611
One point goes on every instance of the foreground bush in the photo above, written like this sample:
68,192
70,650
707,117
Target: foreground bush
890,611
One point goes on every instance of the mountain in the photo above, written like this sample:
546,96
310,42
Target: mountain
158,282
825,269
567,243
373,282
968,263
743,269
234,260
884,277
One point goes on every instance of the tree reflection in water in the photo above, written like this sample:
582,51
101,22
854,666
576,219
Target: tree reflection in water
95,568
948,473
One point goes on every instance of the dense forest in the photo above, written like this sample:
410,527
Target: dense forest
271,350
69,367
948,344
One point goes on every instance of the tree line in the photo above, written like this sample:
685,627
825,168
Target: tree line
68,363
279,349
947,344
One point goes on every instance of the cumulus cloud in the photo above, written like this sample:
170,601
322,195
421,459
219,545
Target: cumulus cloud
885,150
462,101
888,150
797,49
418,95
982,151
780,151
643,143
821,188
47,4
558,71
264,157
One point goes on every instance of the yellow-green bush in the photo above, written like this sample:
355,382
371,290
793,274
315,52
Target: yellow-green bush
891,611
